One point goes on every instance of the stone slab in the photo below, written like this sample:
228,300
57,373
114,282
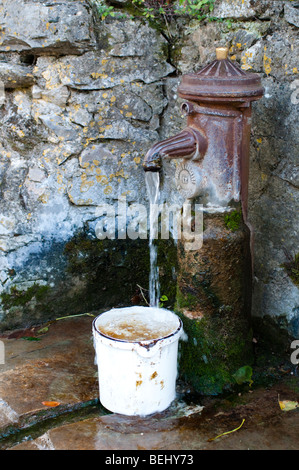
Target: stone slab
186,428
59,367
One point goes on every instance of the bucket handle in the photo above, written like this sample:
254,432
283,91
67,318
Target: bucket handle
147,350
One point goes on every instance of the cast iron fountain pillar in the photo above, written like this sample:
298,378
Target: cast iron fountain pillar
214,284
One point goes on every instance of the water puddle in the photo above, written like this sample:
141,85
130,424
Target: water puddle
7,414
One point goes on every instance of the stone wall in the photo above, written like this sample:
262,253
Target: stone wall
84,99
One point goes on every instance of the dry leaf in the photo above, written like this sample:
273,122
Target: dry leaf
43,330
288,405
227,432
52,404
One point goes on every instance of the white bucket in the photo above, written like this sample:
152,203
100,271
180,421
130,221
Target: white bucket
137,377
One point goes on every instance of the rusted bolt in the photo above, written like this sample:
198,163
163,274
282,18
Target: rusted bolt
187,109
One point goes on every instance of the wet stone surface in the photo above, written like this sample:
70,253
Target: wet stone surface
60,368
57,366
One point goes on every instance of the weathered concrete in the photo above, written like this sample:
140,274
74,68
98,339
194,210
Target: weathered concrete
270,430
59,366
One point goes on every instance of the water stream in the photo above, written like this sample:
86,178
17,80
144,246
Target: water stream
152,180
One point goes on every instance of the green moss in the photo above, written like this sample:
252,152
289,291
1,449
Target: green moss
272,333
217,357
111,270
292,268
158,13
197,292
213,353
202,283
176,52
213,300
18,297
233,220
187,300
168,266
107,271
89,275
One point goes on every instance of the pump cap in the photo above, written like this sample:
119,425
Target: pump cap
221,53
221,81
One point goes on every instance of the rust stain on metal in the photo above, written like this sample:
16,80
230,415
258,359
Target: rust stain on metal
216,139
215,169
190,143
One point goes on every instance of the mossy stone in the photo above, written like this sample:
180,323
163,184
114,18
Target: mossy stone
214,303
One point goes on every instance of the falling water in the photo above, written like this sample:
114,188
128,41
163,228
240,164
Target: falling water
152,180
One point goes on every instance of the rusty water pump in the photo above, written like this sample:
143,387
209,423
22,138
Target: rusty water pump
214,283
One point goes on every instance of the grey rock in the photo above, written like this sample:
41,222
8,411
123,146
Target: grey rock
279,58
273,199
61,127
16,76
198,46
36,174
253,58
269,9
30,27
95,155
92,71
104,69
134,39
291,14
101,181
80,116
58,95
234,9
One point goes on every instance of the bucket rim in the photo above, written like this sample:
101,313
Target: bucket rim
146,343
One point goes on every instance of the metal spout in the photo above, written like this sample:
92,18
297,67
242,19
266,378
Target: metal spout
188,144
